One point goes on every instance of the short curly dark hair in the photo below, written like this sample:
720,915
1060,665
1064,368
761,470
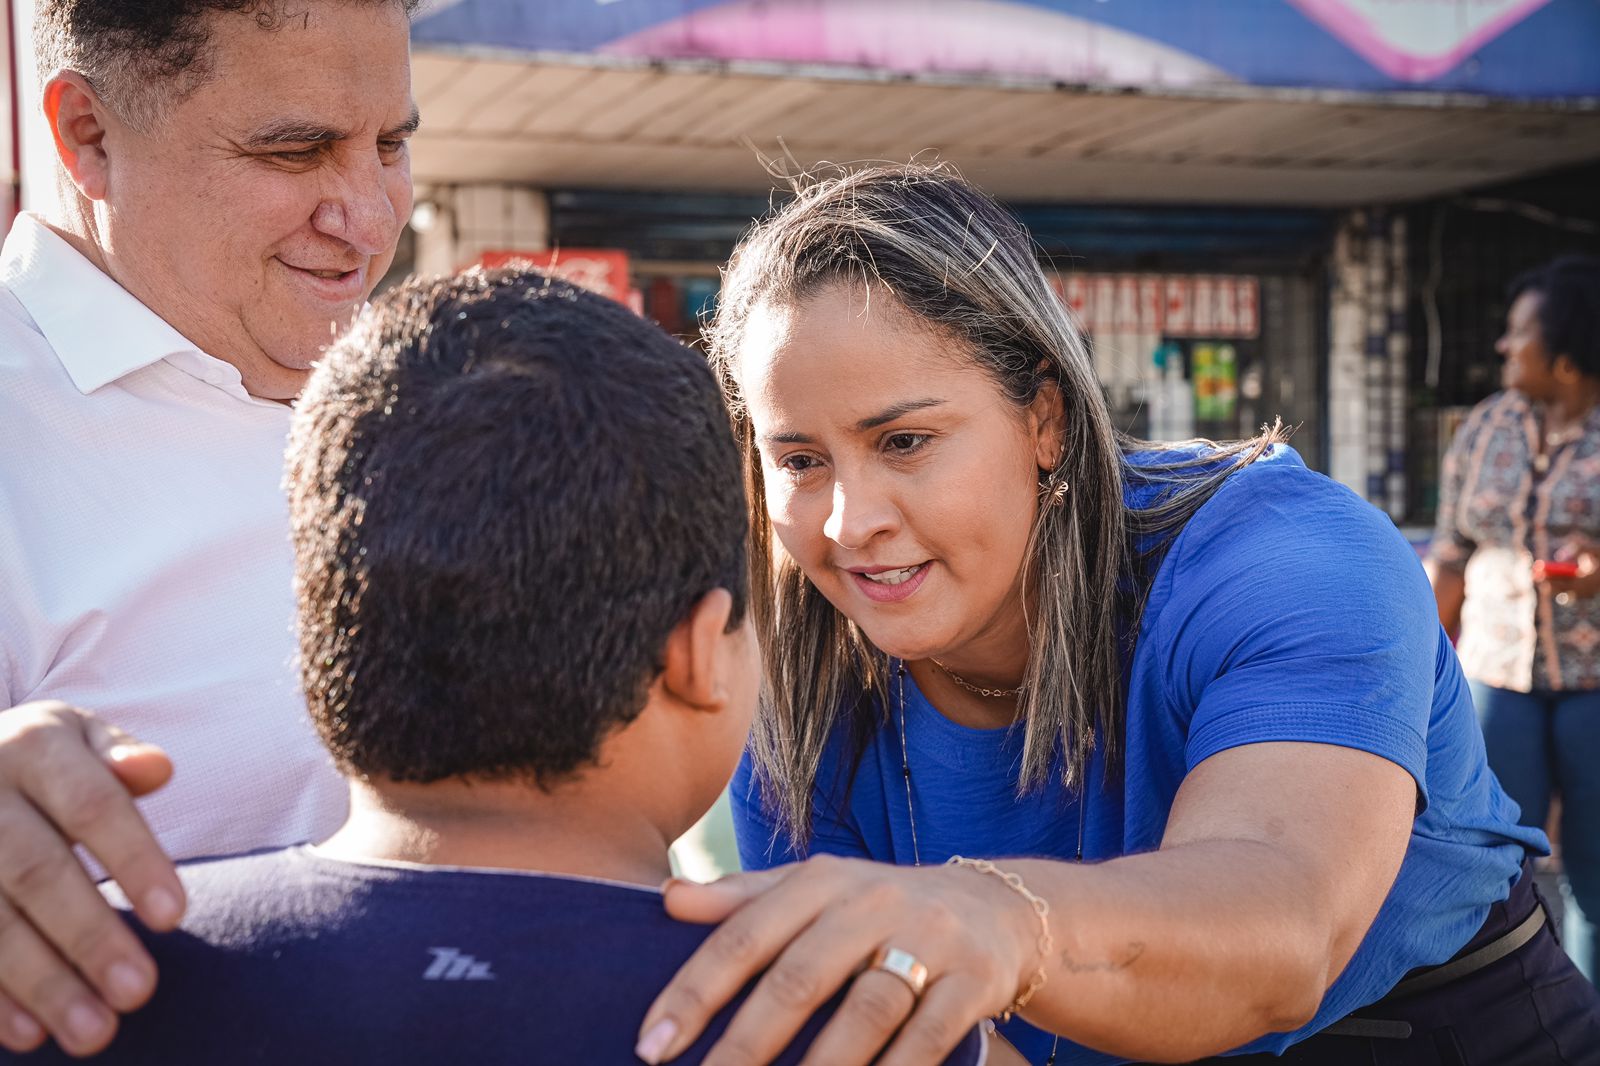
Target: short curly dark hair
1569,308
504,493
131,49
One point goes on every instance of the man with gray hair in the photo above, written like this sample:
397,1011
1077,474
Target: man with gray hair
234,178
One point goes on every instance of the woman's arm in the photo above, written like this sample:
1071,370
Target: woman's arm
1275,861
1274,864
1451,548
1450,591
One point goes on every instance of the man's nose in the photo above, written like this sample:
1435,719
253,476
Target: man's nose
358,209
859,513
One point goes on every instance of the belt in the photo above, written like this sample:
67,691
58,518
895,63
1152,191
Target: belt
1438,977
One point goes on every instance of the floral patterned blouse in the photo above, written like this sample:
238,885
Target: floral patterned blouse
1498,512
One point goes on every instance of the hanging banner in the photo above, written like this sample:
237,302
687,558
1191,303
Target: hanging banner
1225,319
1126,317
1178,318
1205,306
1249,294
1075,291
1102,303
1165,305
1151,304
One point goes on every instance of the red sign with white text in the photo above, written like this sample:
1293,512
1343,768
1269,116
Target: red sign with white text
1168,305
601,270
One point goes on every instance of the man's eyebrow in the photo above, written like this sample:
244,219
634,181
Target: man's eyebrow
291,131
409,126
300,131
899,410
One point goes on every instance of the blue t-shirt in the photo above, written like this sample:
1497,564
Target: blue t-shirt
288,956
1288,609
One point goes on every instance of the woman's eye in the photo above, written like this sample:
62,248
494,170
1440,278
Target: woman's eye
797,464
905,443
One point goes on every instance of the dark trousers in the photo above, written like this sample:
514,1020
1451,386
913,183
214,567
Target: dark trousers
1543,744
1531,1008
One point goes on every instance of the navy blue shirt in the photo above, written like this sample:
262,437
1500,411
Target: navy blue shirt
1288,609
287,956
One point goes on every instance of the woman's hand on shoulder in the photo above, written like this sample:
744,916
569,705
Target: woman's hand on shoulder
809,929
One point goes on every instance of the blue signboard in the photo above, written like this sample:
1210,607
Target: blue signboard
1538,49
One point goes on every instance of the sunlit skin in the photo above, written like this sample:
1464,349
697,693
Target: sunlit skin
257,215
885,446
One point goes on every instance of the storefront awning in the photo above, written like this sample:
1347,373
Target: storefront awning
628,122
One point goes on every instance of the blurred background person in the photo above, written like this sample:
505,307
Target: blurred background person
1515,569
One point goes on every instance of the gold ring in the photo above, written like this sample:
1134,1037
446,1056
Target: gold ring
903,965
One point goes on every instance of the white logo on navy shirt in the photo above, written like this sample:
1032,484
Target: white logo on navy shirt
450,964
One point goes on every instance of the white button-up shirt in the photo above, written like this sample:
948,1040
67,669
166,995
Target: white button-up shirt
145,566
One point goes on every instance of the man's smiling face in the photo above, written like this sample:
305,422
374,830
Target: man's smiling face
257,215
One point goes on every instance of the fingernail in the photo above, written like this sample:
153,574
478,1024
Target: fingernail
25,1029
86,1024
119,752
161,906
125,981
654,1043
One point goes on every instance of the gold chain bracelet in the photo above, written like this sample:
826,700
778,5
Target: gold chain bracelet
1040,907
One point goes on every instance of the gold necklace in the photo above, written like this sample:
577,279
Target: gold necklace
990,693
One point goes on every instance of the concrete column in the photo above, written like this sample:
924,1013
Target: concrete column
1367,375
468,220
1399,353
1347,377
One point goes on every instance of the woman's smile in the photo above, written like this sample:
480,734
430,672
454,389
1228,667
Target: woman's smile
890,584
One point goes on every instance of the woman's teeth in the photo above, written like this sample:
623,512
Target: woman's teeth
894,577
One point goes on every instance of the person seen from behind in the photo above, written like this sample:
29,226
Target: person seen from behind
519,533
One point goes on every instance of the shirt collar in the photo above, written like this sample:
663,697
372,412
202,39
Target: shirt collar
99,330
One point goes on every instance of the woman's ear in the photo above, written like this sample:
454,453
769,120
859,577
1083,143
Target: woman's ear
77,121
1047,419
696,669
1565,370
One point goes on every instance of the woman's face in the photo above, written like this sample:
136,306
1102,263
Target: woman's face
898,475
1528,366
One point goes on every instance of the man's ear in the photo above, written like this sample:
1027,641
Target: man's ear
1047,415
77,120
696,665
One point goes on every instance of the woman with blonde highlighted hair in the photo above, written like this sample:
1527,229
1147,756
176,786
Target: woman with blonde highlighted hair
1158,747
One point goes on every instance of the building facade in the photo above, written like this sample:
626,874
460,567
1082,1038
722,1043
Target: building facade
1296,209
